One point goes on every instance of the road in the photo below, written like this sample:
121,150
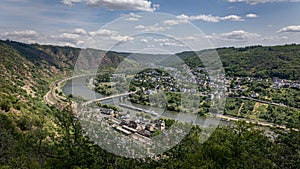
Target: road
266,102
51,97
260,123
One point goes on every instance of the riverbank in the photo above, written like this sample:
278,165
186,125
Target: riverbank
53,98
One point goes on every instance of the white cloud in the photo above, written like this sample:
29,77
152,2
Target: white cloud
70,2
144,40
22,34
67,37
191,38
103,32
160,42
110,35
175,22
80,31
292,29
237,35
254,2
132,17
119,38
274,38
152,28
74,38
183,17
26,36
251,15
140,5
170,44
206,18
231,18
211,18
156,6
79,37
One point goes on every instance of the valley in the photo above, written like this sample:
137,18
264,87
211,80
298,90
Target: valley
43,125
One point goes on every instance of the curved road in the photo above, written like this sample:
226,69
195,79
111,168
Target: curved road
51,97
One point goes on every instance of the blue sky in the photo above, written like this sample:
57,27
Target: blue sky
223,22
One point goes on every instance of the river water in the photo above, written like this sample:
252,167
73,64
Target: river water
78,87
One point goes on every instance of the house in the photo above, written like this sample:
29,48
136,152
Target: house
117,77
238,87
144,132
132,124
294,85
132,130
254,95
129,123
107,111
149,127
218,96
158,87
193,90
125,122
210,96
160,125
182,89
149,92
122,130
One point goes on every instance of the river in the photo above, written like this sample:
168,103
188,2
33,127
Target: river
80,89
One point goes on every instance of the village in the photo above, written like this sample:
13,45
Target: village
198,81
141,125
172,80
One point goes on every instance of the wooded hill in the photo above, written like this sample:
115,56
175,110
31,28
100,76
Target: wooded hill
255,61
36,135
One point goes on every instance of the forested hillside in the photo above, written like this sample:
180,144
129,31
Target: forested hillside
255,61
34,134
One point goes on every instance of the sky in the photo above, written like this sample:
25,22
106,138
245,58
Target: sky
163,25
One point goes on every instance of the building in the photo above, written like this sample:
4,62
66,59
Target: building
149,127
132,124
107,111
254,95
144,132
126,132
